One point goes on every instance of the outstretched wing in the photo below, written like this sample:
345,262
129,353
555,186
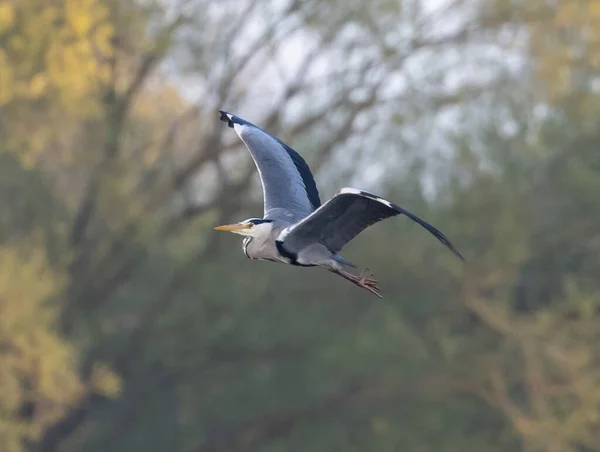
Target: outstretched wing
286,178
343,217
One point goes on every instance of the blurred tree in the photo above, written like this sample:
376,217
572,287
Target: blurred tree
568,49
564,45
38,368
54,49
123,175
54,61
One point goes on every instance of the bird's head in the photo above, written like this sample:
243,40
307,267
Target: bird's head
252,227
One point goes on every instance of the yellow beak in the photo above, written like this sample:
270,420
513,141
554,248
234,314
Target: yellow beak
231,227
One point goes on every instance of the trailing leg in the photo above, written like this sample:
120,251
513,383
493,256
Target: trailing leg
366,282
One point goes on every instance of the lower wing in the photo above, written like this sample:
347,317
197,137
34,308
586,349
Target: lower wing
344,216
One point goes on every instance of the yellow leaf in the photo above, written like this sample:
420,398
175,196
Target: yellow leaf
37,85
6,77
80,21
105,381
7,15
104,34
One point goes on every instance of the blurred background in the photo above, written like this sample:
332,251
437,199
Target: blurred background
128,324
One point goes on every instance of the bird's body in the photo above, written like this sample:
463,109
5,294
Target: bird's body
296,229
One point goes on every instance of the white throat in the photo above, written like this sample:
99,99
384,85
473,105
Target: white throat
259,232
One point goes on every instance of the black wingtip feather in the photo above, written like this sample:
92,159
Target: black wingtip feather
434,231
225,118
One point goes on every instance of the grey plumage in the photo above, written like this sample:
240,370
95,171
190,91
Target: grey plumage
286,179
296,228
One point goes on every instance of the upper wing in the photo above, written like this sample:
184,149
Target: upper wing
344,216
286,179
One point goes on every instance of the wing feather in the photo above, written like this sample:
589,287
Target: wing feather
344,216
286,178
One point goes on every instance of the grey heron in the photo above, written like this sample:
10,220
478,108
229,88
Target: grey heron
296,229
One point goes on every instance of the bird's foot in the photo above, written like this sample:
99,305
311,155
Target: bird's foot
368,283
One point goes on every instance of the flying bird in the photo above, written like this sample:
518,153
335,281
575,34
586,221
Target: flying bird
296,228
